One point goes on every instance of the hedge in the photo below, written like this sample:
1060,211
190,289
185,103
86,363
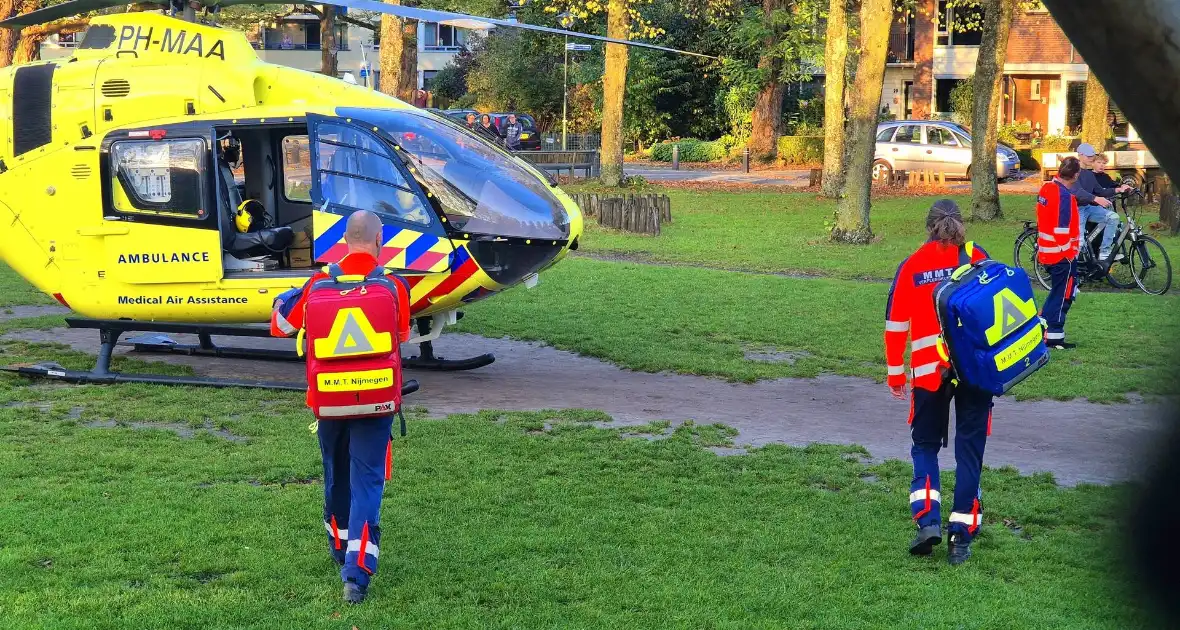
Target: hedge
1030,159
801,149
691,150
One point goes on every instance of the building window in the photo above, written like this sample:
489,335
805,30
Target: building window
67,40
302,34
1075,103
1034,90
428,79
440,37
959,26
942,24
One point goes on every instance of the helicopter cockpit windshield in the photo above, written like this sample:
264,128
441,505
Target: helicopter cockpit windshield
481,189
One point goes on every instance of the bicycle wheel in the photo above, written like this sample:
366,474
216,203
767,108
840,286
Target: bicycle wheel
1025,257
1151,266
1120,275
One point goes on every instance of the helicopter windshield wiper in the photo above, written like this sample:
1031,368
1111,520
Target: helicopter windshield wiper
427,179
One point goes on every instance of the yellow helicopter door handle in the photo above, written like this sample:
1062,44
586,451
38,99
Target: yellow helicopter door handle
104,231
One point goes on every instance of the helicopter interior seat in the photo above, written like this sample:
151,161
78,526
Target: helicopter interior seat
265,241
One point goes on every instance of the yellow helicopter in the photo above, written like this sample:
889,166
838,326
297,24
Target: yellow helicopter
119,191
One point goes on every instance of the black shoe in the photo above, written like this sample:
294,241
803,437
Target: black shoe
927,537
355,593
957,549
1060,344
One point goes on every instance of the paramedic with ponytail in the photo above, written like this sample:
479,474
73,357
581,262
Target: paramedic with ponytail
910,311
351,319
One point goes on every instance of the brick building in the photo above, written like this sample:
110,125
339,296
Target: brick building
1044,77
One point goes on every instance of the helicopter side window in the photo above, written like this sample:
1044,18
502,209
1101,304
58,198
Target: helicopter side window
357,171
159,177
296,169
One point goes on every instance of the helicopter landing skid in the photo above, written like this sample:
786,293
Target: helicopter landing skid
427,361
206,348
109,332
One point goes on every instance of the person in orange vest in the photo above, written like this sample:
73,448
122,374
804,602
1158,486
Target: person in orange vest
910,312
1058,241
357,452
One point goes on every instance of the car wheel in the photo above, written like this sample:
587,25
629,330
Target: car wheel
882,171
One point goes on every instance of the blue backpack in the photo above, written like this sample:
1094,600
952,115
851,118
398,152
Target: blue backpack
991,331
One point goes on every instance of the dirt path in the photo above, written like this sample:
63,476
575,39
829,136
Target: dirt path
1077,441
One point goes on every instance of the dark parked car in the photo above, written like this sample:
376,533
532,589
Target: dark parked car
460,115
530,138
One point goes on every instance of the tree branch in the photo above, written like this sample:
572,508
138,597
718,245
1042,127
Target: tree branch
41,31
355,22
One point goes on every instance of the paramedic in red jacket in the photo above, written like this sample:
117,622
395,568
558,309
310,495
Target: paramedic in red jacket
910,312
1058,241
356,452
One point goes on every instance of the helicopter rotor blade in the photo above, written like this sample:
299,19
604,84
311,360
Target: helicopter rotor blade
77,7
434,15
59,11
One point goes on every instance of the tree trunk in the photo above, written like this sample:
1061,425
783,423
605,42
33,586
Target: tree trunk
1094,127
614,84
27,47
408,75
389,57
835,65
7,35
922,94
852,210
328,45
989,70
767,116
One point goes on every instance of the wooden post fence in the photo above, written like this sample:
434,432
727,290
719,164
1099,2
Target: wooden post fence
642,214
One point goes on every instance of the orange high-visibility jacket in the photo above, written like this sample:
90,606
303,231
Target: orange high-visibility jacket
1058,232
910,312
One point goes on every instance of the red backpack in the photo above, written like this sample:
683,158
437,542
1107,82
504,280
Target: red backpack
350,337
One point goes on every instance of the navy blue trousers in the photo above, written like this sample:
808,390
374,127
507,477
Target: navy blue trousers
1061,294
356,463
929,425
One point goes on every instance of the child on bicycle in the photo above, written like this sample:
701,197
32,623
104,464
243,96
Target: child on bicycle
1100,175
1058,240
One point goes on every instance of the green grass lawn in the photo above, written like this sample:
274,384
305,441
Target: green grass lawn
146,507
703,321
130,507
785,232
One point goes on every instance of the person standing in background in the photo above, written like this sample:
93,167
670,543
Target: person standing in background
512,130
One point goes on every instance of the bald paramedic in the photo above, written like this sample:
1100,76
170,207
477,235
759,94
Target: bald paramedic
362,309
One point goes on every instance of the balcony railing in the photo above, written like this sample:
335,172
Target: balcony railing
429,48
901,48
282,46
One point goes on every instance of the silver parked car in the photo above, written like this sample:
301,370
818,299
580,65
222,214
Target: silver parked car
939,146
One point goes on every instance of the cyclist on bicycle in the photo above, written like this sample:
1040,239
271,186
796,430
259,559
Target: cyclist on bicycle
1094,203
1058,239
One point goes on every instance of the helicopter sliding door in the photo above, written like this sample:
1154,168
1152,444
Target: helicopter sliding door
159,227
354,169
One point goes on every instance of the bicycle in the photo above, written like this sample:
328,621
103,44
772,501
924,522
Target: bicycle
1145,262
